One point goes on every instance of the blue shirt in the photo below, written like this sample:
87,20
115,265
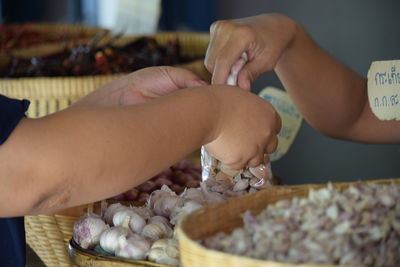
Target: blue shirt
12,230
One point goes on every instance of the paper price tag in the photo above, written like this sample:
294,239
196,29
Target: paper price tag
291,119
384,89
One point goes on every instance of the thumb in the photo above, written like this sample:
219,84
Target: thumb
183,78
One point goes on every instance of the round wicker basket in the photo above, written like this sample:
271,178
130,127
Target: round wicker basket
226,216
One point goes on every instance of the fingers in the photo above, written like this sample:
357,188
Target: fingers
225,62
228,42
272,145
183,78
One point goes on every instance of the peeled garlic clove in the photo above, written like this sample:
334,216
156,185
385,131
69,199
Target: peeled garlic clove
262,171
109,238
87,230
241,185
132,248
154,232
111,210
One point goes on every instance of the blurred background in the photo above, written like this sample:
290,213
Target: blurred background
355,32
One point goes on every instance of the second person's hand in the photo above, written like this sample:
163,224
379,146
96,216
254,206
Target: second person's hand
263,37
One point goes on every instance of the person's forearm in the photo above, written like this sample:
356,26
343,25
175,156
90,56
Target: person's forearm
83,154
330,96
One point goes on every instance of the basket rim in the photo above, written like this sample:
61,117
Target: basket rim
185,240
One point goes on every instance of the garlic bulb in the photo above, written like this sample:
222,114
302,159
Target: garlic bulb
128,217
159,218
145,212
194,194
183,209
109,238
156,230
164,251
132,247
163,243
87,230
164,205
111,210
165,191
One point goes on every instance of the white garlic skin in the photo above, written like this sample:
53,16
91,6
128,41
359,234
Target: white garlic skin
87,230
183,209
145,212
111,210
109,238
194,194
164,252
165,191
158,218
134,220
132,248
164,205
155,231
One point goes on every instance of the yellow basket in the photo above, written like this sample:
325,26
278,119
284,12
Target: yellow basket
225,217
51,94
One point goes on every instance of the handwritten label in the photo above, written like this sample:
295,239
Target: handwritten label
384,89
291,119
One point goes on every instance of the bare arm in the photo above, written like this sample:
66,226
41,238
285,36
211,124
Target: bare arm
331,96
84,154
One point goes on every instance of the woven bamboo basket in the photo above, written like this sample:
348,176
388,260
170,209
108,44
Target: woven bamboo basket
51,94
48,235
225,217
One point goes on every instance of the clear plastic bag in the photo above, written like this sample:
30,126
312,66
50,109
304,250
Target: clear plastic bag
220,179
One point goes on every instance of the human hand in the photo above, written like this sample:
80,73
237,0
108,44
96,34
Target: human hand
264,38
141,86
247,128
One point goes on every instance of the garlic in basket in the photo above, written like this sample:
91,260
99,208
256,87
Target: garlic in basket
164,251
131,219
109,238
87,230
111,210
183,209
157,230
132,247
